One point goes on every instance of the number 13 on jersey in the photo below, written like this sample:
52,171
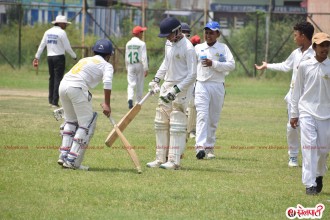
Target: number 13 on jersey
133,57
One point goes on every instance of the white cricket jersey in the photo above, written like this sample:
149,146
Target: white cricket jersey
57,43
89,72
292,62
311,93
179,64
136,52
222,62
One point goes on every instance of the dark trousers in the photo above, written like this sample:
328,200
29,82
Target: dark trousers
56,67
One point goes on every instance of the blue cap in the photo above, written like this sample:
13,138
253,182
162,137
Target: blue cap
213,25
103,46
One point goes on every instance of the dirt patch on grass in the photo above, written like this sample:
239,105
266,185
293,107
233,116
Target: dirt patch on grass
23,93
12,93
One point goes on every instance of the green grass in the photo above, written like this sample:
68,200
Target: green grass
249,179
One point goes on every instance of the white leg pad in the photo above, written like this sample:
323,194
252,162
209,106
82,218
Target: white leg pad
162,134
178,129
192,114
80,142
78,146
91,128
68,131
90,133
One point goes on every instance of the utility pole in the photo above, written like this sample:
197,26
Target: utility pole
63,7
19,35
143,16
206,12
143,3
256,43
270,8
83,26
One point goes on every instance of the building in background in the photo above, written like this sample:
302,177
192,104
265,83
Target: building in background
110,17
319,14
236,13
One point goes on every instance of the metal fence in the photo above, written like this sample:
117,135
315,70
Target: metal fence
115,23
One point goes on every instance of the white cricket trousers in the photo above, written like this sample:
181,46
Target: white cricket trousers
315,144
292,135
135,79
209,99
75,104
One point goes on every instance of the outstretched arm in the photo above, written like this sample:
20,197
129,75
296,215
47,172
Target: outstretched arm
261,67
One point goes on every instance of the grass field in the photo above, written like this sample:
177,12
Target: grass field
249,179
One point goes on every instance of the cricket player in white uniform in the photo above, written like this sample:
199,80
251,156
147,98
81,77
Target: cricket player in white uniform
57,43
178,71
311,106
303,33
136,64
215,61
80,120
191,109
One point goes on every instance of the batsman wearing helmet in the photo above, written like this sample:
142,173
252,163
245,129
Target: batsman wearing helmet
80,120
178,71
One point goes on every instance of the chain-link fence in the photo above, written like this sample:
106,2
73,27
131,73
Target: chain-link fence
24,25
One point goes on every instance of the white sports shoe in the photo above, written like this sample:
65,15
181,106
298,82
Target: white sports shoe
293,162
60,161
210,156
70,166
170,166
154,164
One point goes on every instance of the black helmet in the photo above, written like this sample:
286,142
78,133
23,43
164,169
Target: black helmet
103,46
168,26
185,27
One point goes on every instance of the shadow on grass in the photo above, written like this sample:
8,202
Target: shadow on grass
184,168
203,169
325,193
236,159
113,170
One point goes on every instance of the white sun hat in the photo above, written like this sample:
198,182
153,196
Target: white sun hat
61,19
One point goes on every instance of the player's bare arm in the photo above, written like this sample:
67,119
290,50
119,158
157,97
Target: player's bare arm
261,67
35,62
106,105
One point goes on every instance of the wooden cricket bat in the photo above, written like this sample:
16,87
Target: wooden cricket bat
122,124
127,145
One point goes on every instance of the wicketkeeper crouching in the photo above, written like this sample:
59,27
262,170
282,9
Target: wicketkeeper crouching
179,72
80,120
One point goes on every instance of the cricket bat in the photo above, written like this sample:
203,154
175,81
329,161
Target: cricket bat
127,145
122,124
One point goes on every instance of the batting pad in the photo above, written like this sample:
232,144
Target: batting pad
178,128
162,135
192,114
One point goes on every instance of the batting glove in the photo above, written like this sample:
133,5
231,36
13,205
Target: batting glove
58,113
171,95
154,85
